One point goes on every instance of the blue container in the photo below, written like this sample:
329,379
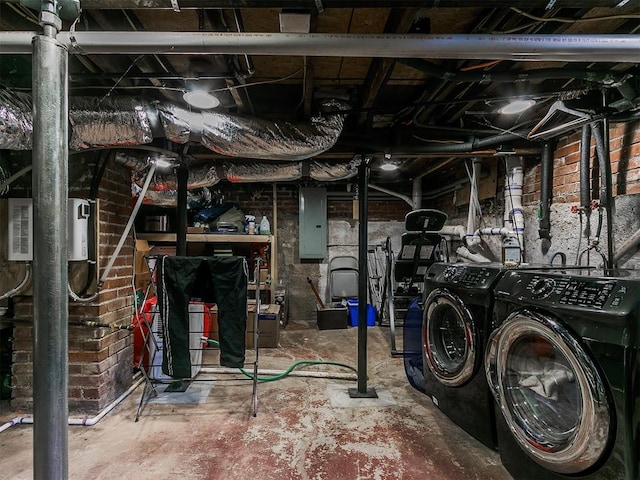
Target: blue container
353,314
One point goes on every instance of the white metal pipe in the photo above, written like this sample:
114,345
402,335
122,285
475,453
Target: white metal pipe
293,373
454,231
464,252
127,228
416,193
15,176
393,194
513,213
13,292
473,196
86,422
564,48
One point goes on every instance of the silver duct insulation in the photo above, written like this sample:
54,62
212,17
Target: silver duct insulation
246,137
163,188
113,122
329,172
16,121
262,172
256,138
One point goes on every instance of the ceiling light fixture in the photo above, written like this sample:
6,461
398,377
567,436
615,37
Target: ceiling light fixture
389,165
201,99
516,106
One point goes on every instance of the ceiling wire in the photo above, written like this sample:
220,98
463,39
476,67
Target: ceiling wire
576,20
245,85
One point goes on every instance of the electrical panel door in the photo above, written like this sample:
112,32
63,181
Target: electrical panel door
313,223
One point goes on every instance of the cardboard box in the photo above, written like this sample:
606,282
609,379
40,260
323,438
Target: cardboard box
268,326
264,275
197,229
161,250
142,250
333,317
143,281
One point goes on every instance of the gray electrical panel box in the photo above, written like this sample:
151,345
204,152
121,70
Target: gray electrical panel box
313,223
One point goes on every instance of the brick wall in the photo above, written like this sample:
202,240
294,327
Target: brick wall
100,359
624,146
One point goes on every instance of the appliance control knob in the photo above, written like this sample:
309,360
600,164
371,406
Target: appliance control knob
449,273
542,288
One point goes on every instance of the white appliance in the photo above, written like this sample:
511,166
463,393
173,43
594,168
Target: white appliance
196,331
20,215
78,213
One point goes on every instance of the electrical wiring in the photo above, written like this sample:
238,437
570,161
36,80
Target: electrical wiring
577,20
290,369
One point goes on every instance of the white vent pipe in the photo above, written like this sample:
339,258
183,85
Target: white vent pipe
513,218
564,48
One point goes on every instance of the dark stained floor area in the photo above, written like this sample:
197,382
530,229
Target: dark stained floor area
301,431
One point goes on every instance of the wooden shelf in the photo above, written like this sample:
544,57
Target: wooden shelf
207,238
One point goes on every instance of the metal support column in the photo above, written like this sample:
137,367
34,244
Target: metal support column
363,274
181,213
50,298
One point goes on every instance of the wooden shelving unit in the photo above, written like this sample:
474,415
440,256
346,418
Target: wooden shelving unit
230,239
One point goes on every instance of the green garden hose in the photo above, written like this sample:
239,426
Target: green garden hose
290,369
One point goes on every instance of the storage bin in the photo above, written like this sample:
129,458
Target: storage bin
353,314
333,317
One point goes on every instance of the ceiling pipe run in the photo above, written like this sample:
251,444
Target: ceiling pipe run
314,4
565,48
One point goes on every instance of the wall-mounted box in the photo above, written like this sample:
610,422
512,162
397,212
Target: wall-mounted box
312,223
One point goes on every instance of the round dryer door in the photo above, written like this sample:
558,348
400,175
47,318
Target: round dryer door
449,334
549,391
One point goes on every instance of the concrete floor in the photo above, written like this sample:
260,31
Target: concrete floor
304,428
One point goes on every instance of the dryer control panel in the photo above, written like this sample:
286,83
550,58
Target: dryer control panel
592,293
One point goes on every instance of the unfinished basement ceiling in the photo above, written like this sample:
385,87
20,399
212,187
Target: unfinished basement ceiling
420,110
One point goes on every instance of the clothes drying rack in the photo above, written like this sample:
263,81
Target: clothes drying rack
149,364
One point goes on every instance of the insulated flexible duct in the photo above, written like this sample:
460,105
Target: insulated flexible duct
116,122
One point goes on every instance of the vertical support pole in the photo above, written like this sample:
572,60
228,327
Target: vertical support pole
363,274
546,191
50,298
610,208
181,213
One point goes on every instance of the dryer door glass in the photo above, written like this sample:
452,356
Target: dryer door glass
449,338
550,392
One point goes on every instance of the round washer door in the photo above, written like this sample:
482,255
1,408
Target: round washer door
550,392
449,334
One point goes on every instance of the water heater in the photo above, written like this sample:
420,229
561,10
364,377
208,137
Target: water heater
20,239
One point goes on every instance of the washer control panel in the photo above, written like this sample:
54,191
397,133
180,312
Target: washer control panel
468,276
592,293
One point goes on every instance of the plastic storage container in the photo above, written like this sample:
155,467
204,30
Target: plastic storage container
353,314
265,227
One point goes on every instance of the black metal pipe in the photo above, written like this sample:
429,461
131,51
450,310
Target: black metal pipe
585,176
182,174
466,147
363,213
546,190
600,76
606,184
